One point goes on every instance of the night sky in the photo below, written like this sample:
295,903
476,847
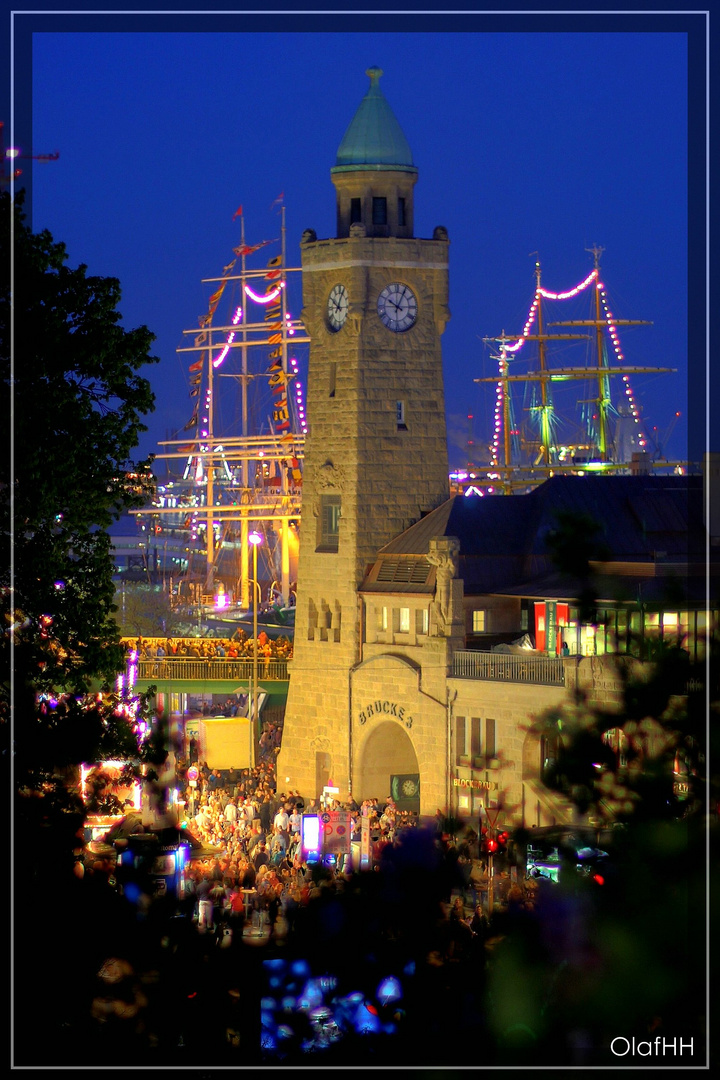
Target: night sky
529,145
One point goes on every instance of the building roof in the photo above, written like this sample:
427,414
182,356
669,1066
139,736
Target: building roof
374,139
647,524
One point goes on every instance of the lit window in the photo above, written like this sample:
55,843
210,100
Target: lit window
400,415
478,622
423,621
383,618
404,625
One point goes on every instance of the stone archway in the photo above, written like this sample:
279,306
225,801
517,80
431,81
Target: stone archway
387,751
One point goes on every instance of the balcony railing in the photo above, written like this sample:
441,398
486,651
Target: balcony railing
542,670
180,669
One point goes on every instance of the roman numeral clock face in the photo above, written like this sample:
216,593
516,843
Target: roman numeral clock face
337,307
397,307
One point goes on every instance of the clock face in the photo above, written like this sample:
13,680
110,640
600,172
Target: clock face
409,788
397,307
337,307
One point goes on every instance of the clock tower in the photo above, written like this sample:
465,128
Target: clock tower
375,304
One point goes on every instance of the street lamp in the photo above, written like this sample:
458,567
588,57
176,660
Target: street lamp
254,538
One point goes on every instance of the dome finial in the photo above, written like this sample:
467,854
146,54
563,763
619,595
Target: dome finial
374,74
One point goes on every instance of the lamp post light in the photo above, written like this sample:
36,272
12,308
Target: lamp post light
255,538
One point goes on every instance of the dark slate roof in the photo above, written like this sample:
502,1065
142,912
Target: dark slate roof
613,588
643,519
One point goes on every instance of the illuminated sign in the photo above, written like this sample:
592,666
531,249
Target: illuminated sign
489,785
310,838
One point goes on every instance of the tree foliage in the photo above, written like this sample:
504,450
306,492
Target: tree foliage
73,383
145,610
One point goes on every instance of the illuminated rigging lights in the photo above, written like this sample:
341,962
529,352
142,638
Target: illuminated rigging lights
593,276
204,461
264,299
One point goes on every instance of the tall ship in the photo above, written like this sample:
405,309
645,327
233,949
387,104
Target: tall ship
564,395
229,484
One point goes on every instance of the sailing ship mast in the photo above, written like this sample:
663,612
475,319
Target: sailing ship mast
513,472
246,502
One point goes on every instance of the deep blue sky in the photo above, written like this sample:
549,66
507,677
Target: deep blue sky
544,142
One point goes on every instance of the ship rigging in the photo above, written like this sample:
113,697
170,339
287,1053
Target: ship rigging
245,473
598,432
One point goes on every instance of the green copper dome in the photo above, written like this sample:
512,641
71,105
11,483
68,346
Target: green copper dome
374,139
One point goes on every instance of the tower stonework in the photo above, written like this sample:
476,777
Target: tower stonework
375,304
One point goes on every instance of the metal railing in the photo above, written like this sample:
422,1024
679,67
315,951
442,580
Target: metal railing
181,669
542,670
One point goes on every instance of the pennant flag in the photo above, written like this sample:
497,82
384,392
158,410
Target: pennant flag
247,249
197,366
228,268
238,213
191,422
196,379
185,449
204,320
216,295
279,199
195,391
276,261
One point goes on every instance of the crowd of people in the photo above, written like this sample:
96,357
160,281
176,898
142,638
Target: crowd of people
251,884
237,647
258,869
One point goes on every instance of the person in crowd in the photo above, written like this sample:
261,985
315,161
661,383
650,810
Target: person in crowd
205,906
261,857
295,821
281,821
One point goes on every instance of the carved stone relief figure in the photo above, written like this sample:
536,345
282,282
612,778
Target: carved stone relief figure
443,554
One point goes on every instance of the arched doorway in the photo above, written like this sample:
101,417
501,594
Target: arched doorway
388,765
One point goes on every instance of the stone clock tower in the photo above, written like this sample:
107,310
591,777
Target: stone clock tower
375,306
